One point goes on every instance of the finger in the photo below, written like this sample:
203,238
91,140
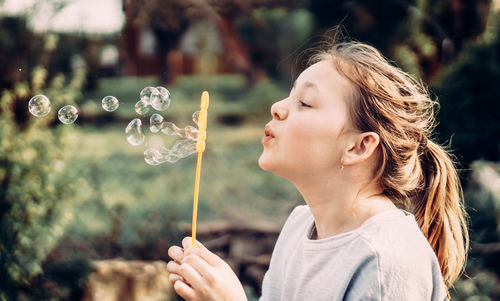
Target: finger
204,253
184,290
200,265
176,253
174,277
187,241
190,275
173,267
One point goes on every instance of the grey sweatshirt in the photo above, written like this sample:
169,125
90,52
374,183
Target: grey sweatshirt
387,258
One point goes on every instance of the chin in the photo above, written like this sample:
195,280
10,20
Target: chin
264,164
270,165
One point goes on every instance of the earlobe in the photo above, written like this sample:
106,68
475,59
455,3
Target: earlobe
361,148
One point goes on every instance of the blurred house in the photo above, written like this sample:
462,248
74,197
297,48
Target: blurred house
185,37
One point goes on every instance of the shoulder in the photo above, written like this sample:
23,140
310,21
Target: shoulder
295,229
396,239
300,211
300,216
406,263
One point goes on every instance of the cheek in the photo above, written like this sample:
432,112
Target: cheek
300,139
320,142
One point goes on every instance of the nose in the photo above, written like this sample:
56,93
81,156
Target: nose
279,110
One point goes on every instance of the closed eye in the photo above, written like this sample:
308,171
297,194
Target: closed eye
303,104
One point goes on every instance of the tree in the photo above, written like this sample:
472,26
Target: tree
469,98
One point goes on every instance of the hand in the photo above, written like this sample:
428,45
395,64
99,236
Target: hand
198,274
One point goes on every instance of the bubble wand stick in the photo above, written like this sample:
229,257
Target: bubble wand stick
200,148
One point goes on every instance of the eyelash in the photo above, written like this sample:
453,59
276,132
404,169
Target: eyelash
303,104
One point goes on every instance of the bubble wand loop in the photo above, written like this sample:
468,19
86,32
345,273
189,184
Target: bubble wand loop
200,148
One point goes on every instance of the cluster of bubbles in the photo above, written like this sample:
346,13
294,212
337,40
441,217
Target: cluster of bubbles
156,97
39,106
159,98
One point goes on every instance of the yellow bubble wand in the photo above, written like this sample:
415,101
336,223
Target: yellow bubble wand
200,148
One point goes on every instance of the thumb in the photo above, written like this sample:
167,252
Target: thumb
187,241
210,257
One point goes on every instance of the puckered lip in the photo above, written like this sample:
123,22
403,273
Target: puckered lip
268,131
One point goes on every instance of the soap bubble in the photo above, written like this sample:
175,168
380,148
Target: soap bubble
171,129
141,107
170,158
158,155
134,133
166,155
152,156
155,123
67,114
39,105
110,103
149,94
190,132
184,148
181,149
159,98
162,102
196,116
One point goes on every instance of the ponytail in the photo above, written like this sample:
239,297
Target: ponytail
439,211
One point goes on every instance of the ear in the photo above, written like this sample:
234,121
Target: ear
360,147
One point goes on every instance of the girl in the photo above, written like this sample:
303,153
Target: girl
383,218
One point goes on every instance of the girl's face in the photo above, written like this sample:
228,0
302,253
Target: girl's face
305,139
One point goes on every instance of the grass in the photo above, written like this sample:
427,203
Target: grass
114,177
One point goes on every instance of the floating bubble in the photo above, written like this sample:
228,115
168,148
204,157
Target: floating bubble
67,114
149,157
158,155
170,158
155,123
152,156
191,132
196,116
110,103
141,107
166,155
39,105
184,148
134,133
149,94
162,102
171,129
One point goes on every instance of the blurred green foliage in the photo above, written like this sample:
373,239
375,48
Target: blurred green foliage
481,280
35,177
469,95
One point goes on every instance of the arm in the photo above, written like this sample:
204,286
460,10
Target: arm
198,274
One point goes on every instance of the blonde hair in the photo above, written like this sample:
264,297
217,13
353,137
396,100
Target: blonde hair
415,172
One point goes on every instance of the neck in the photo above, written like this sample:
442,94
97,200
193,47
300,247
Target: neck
342,202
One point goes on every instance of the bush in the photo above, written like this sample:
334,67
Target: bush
35,178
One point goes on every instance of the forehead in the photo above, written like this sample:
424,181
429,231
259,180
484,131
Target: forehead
326,78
